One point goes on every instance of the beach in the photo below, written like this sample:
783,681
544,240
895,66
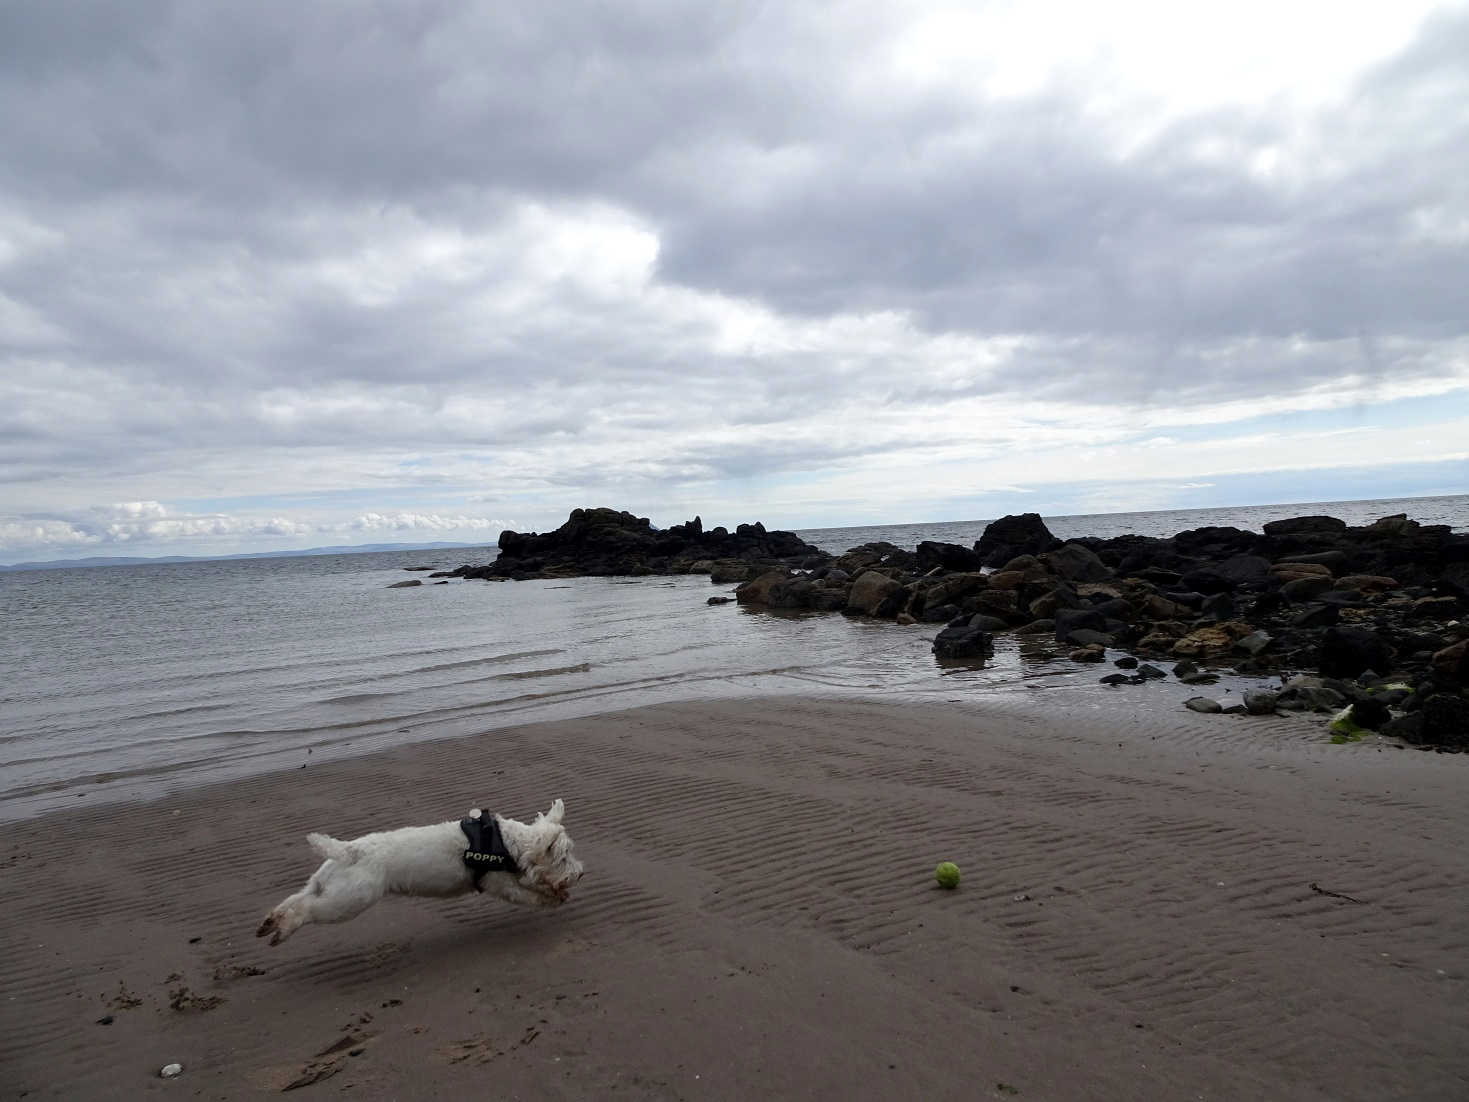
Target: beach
1153,905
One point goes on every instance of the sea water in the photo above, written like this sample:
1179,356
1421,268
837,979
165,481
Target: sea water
123,681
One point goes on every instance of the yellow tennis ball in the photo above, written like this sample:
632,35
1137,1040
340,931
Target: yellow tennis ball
947,874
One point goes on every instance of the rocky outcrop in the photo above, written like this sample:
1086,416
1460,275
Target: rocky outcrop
1011,536
1369,615
605,542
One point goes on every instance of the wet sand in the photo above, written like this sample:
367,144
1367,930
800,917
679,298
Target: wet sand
1152,906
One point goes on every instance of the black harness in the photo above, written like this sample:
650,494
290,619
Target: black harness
486,851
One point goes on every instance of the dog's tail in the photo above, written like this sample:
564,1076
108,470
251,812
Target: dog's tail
332,849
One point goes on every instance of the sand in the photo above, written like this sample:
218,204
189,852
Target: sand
1137,918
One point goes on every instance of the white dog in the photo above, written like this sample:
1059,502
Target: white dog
528,863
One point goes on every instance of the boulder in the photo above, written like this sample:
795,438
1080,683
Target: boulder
949,556
731,571
952,589
1293,568
1308,694
1370,714
1348,652
1016,534
1446,720
1253,643
1214,640
1069,620
875,594
1333,560
1228,574
792,593
1305,526
757,590
962,642
1204,705
1076,563
1260,702
988,623
1367,583
1307,587
1452,663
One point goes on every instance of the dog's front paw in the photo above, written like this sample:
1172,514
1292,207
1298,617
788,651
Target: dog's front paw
268,927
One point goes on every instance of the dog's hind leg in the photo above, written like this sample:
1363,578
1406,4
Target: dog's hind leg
336,892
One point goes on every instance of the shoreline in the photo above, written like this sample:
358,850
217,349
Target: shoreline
1136,916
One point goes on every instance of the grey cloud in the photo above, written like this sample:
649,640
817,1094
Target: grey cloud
188,167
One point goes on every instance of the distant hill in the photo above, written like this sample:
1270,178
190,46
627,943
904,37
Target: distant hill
357,549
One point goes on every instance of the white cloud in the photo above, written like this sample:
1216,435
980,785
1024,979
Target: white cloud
425,522
680,259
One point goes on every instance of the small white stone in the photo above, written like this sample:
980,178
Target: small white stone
170,1071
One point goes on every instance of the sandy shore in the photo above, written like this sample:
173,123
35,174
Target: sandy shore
1137,918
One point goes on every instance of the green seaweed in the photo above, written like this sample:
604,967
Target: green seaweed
1344,730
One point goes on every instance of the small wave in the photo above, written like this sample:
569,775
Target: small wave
492,660
522,675
356,698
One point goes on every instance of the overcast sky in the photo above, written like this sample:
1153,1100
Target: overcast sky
283,275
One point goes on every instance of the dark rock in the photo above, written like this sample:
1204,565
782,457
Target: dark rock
1203,704
1316,616
985,622
1086,637
1333,560
941,614
1409,728
757,590
1221,606
962,642
1228,574
604,542
727,572
1077,563
1115,679
1370,713
1114,608
1092,652
1126,662
1199,677
1253,643
1260,702
875,594
406,585
1452,663
1048,604
1435,608
1348,651
1304,589
1017,534
790,593
1308,694
1446,720
1044,626
1312,526
1077,619
719,600
949,556
1149,672
1184,668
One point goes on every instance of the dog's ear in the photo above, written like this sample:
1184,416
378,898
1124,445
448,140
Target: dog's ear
557,812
